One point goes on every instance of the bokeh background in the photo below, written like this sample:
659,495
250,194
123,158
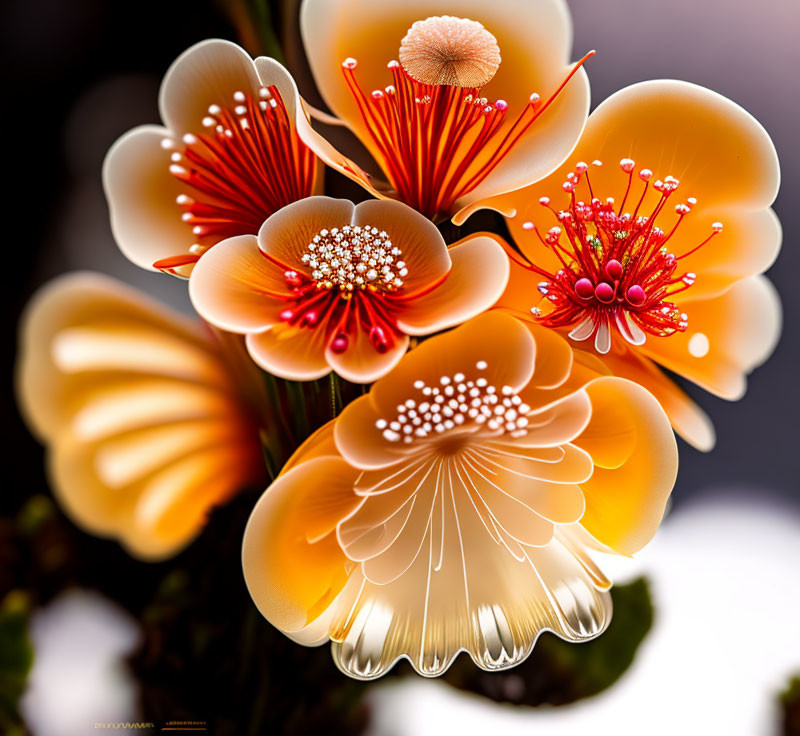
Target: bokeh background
80,73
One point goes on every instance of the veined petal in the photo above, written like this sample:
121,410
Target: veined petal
464,592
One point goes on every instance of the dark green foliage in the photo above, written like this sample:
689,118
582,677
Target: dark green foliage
790,705
16,658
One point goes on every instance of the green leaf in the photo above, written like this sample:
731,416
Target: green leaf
16,658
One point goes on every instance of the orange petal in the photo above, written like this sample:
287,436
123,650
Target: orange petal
424,249
236,288
636,461
145,427
208,73
141,193
534,45
749,244
558,422
719,152
361,362
293,574
360,441
476,280
554,358
727,337
293,353
687,418
495,338
565,464
584,367
319,444
286,234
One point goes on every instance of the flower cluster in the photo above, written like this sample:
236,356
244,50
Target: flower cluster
453,426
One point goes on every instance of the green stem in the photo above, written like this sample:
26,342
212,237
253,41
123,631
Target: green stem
332,377
298,409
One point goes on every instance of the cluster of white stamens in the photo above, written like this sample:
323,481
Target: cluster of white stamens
454,402
355,257
219,123
242,112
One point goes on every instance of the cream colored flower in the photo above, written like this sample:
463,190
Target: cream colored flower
227,158
456,506
329,285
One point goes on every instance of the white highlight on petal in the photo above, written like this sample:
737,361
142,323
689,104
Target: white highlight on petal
698,345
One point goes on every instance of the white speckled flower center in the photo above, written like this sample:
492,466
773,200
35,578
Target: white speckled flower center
457,402
355,257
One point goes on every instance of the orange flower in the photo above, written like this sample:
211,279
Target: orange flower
144,425
329,285
454,507
641,278
228,158
461,118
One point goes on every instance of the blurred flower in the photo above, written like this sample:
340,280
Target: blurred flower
456,505
440,142
228,158
329,285
640,281
79,675
144,424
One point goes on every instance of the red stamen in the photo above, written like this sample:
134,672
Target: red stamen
248,165
615,267
429,137
355,284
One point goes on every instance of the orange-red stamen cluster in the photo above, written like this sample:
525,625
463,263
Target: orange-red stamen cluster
355,285
617,271
249,164
437,143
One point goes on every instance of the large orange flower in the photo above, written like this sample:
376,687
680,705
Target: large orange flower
329,285
144,424
455,506
649,249
469,106
228,158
